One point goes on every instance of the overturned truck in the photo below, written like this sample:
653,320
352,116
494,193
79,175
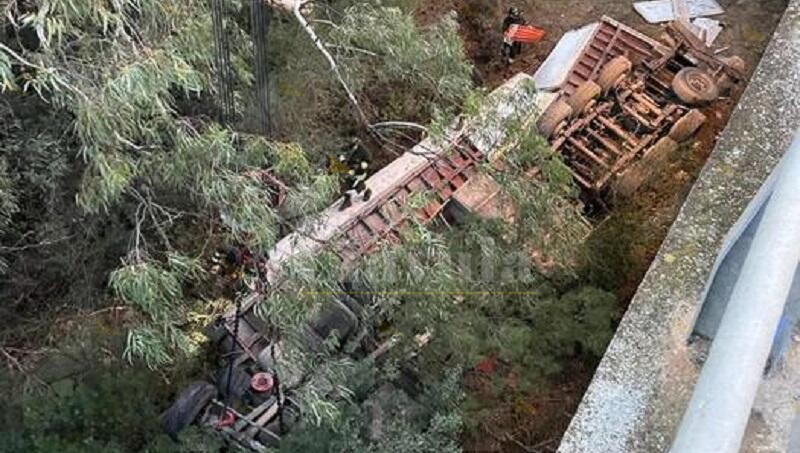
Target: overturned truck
616,103
251,401
627,101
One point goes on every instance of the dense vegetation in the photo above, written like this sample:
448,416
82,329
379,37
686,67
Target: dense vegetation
118,181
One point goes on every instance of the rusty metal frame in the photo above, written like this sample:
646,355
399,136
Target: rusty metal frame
601,142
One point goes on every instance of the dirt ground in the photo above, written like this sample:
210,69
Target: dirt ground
625,244
749,25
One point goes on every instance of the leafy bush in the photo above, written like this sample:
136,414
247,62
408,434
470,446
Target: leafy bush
390,421
105,409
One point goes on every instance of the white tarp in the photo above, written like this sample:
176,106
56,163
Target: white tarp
661,10
552,74
518,100
707,29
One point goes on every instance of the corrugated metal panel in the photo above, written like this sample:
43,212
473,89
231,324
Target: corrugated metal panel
611,39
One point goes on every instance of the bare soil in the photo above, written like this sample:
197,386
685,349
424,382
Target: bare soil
749,25
621,248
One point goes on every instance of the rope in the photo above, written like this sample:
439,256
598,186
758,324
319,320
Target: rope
260,17
238,314
222,61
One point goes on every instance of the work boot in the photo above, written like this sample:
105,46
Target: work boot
346,203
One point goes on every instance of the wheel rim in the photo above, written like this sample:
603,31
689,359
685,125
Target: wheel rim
698,81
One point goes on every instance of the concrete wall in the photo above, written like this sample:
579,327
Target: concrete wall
638,394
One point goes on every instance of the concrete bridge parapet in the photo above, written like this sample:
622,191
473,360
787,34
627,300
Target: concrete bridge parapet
640,391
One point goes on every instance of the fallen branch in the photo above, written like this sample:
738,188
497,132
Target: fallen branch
331,61
398,124
13,362
35,246
352,49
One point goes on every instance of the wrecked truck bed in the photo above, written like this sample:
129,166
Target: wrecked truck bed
626,101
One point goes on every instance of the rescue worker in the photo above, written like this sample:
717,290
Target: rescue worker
511,48
228,260
237,263
355,165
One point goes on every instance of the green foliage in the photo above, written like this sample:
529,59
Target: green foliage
389,421
7,82
8,199
131,88
397,69
8,204
106,409
478,298
308,281
384,47
156,290
548,217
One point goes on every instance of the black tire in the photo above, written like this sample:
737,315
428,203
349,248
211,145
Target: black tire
553,118
686,127
187,406
664,147
655,160
239,382
695,86
613,72
583,97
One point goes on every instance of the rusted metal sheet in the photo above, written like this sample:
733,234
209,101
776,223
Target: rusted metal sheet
438,180
611,39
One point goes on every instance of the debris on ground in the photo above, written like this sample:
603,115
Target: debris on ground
659,11
709,29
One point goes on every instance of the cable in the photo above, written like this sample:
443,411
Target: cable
260,17
222,61
237,315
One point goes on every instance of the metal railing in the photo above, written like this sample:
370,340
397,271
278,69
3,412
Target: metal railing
719,410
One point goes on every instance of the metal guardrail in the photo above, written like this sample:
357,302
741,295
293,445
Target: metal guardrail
719,410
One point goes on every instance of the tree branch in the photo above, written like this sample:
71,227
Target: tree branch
352,49
56,79
398,124
331,61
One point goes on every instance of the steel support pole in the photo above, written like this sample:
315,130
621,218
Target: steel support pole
719,410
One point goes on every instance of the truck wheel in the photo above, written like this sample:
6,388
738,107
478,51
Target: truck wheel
687,126
187,407
664,148
613,72
695,86
653,162
725,82
583,97
552,120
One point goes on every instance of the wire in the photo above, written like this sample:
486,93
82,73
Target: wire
260,18
237,315
222,61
